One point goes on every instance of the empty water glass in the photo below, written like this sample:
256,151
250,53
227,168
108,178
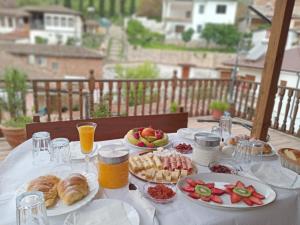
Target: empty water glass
31,209
41,151
61,150
225,125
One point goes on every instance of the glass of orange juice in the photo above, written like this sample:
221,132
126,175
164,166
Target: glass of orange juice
86,132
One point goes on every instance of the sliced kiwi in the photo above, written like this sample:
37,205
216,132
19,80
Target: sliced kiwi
241,192
203,190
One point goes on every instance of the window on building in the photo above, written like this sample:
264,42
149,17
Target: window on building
63,22
56,22
2,21
10,22
199,28
201,9
188,14
55,66
48,20
40,60
31,59
71,22
221,9
179,28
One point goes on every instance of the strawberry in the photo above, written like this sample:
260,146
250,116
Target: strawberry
255,200
248,201
234,198
216,199
210,185
258,195
191,182
188,188
136,135
200,182
228,191
140,129
229,186
240,184
250,188
204,198
217,191
141,144
194,195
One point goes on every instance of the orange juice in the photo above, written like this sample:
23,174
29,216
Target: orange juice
86,136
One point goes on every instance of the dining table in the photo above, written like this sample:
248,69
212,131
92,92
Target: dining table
18,169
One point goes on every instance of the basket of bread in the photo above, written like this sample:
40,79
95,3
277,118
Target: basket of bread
290,158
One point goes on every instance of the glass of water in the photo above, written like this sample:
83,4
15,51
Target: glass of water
31,209
41,151
61,150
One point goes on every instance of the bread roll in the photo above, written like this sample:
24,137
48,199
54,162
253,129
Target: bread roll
48,185
73,188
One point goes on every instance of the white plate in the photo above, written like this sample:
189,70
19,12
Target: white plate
264,174
127,143
76,151
220,180
60,208
188,133
131,213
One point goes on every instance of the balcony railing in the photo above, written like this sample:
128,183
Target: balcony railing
74,99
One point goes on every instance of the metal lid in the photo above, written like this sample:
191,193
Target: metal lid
113,154
207,139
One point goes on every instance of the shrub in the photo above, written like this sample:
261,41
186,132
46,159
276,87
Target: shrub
219,105
174,107
100,111
18,122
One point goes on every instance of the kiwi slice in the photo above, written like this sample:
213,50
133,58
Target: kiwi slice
203,190
241,192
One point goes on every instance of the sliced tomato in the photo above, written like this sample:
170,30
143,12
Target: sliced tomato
258,195
216,199
250,188
229,186
188,188
255,200
234,198
210,185
205,198
200,182
194,195
240,184
248,201
217,191
191,182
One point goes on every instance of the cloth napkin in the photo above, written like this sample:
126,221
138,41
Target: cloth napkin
274,175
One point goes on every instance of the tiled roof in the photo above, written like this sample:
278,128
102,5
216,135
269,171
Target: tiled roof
8,3
51,9
51,50
13,12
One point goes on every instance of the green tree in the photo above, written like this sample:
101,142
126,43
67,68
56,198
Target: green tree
122,7
132,7
187,35
91,3
208,33
102,8
68,3
80,6
112,7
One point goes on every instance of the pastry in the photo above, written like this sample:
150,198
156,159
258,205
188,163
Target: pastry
267,149
48,185
73,188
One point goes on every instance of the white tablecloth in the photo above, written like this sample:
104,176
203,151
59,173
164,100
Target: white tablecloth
18,169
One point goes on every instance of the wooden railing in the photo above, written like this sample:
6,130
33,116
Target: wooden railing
74,99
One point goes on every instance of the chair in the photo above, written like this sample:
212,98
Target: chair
109,128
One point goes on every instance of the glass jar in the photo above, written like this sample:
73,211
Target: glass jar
113,167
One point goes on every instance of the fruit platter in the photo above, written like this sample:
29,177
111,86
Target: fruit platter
146,138
225,191
164,169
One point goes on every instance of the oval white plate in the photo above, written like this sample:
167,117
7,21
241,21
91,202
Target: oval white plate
131,212
126,142
60,208
220,180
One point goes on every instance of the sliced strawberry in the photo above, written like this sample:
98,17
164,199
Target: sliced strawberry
229,186
216,199
188,188
191,182
217,191
194,195
240,184
234,198
210,185
255,200
248,201
228,191
204,198
258,195
250,188
200,182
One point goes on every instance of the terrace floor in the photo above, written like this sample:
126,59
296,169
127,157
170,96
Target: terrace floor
277,139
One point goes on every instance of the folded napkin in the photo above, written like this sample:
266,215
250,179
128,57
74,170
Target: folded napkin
274,175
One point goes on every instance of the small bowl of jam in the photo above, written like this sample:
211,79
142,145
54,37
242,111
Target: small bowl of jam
224,166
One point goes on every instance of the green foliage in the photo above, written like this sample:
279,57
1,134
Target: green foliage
15,89
18,122
219,105
174,107
40,40
224,35
140,35
68,3
132,7
112,8
92,41
71,41
187,35
102,8
122,7
100,111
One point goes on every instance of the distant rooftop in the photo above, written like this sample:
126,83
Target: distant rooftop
7,3
13,12
50,50
51,9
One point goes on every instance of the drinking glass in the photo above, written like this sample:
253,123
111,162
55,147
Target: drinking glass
41,151
86,132
61,150
31,209
225,125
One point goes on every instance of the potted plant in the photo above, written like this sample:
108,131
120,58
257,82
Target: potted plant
218,108
15,89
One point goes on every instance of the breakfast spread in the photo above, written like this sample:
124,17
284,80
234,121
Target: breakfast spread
161,169
161,192
184,148
147,137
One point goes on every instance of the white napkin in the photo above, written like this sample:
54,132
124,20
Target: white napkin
274,175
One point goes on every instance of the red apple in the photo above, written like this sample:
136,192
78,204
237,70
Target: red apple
148,132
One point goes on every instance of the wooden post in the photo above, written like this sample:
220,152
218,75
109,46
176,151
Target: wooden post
91,90
273,60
